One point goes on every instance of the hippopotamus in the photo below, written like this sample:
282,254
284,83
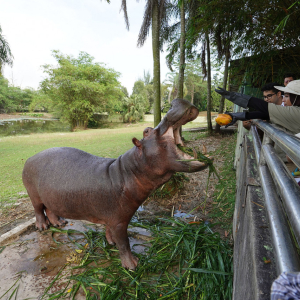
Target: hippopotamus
69,183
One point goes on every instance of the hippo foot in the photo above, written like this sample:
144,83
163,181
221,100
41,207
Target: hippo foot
55,220
42,222
130,262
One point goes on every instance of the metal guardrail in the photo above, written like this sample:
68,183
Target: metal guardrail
281,191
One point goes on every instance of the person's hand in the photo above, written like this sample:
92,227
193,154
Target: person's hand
240,116
247,124
222,92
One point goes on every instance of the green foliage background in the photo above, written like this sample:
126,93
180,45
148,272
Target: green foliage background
79,87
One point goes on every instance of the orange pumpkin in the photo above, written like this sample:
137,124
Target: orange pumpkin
223,119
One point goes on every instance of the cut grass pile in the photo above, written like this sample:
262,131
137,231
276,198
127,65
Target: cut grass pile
182,261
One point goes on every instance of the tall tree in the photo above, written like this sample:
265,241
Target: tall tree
209,124
6,56
182,49
79,87
193,77
155,16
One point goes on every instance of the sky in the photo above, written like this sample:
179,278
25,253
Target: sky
33,28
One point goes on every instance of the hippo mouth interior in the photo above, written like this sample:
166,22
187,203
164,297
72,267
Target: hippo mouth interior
174,132
180,113
178,141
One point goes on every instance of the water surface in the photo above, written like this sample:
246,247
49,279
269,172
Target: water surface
27,126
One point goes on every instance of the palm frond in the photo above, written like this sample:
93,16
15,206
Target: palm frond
124,8
6,56
147,21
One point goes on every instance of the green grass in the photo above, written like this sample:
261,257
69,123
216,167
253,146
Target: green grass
15,150
225,192
182,261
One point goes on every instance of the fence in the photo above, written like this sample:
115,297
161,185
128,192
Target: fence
281,203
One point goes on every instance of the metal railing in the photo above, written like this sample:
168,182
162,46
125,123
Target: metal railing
281,192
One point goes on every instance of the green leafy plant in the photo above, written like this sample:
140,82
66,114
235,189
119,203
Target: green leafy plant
79,87
182,261
134,108
175,184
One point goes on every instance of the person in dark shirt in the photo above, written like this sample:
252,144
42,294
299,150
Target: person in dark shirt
286,116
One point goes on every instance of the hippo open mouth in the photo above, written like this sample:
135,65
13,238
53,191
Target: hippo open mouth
180,113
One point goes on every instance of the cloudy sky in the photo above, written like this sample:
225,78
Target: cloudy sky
35,27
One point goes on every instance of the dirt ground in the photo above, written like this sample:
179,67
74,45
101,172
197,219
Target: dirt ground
192,196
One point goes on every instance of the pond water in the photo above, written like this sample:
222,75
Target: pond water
27,126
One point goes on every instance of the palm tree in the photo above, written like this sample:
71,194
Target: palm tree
209,124
155,17
182,49
5,52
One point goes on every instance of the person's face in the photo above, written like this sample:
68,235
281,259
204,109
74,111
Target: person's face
287,80
286,99
271,97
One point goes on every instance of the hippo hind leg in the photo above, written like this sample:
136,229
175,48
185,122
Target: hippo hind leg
42,223
55,220
119,235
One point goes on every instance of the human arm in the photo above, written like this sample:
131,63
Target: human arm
247,101
246,115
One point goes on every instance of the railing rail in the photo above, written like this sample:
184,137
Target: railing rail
281,191
285,140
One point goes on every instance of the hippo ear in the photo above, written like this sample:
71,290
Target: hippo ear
136,142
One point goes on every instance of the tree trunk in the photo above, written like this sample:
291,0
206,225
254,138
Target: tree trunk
209,124
169,96
182,51
156,62
221,108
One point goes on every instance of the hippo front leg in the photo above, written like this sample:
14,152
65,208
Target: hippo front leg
120,237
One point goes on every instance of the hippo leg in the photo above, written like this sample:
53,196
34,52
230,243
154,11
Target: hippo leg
41,223
109,236
55,220
119,235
